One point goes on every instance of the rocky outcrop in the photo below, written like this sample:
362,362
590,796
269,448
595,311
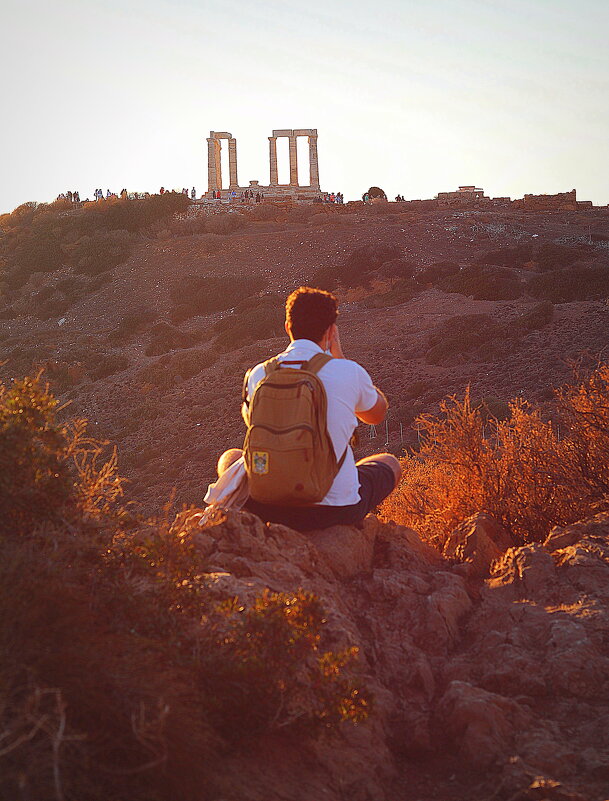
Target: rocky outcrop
489,664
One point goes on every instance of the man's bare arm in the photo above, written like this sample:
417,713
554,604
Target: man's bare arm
377,413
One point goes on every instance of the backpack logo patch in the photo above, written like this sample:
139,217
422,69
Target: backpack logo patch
260,462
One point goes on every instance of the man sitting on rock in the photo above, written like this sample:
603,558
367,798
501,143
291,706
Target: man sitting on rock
354,489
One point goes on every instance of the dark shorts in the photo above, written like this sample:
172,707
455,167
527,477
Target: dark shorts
376,480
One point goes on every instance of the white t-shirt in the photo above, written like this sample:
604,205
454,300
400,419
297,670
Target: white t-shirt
349,389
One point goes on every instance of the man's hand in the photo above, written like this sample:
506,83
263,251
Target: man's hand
334,345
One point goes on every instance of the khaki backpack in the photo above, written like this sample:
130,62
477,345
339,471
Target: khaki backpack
289,456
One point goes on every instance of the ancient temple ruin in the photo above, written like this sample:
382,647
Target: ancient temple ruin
273,190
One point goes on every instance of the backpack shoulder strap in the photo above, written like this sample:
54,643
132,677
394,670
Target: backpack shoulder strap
270,365
316,362
246,379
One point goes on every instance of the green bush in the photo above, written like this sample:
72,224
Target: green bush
36,248
534,318
515,256
134,322
252,320
459,335
484,283
401,292
135,216
197,294
121,677
40,237
579,282
552,257
92,255
359,268
436,273
173,367
266,666
35,476
109,364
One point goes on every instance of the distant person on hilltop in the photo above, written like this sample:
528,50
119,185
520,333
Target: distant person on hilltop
301,409
193,194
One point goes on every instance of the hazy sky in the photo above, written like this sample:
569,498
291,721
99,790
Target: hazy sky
416,96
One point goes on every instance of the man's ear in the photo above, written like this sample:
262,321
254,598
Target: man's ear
287,328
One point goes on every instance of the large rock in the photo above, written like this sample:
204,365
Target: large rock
477,542
500,682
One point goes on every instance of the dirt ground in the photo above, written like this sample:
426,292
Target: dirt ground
171,412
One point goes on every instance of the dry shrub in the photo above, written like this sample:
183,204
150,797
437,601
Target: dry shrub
121,678
518,469
35,477
225,223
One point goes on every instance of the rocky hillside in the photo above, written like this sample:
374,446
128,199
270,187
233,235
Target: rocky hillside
145,318
488,665
162,659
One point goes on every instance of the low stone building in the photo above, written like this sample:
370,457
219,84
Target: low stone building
563,201
463,196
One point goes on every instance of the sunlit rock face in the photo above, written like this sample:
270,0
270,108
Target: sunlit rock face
489,664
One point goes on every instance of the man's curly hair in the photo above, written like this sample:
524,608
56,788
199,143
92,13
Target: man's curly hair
310,312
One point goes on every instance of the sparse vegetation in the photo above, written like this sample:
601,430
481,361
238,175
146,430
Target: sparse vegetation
94,238
123,676
519,469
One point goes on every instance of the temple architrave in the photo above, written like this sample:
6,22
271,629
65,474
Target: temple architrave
273,190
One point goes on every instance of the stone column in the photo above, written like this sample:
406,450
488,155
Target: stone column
212,175
313,165
293,161
232,163
218,164
273,160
